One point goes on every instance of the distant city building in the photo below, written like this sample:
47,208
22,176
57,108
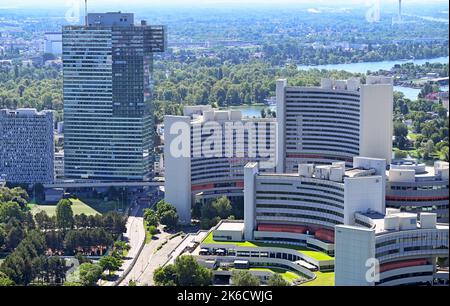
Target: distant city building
415,187
53,43
196,179
108,88
59,165
26,146
334,122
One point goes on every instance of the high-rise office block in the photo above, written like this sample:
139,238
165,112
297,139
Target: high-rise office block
333,122
26,146
108,90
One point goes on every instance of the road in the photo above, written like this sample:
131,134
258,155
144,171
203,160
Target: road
151,258
134,236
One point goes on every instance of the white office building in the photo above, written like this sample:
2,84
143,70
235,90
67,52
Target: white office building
415,187
391,249
205,153
53,43
303,208
334,122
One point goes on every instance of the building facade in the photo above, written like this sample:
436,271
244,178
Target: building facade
414,187
304,208
218,145
108,87
391,249
26,146
334,122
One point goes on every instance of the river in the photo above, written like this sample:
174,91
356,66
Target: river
410,93
374,66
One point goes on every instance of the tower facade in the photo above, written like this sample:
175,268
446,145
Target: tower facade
108,89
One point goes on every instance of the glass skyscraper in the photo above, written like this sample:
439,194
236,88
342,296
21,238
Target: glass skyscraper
108,86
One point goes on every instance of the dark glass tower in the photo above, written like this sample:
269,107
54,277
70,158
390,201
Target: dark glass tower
108,87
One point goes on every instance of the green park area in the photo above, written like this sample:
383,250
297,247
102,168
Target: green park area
322,279
79,207
317,255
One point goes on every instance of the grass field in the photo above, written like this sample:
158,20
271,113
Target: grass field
308,252
78,208
287,275
322,279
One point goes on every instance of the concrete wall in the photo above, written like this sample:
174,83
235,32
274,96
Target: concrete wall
250,170
354,245
281,122
178,168
376,127
362,194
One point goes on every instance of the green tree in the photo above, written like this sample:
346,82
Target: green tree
244,278
165,276
152,230
64,214
5,281
151,217
184,272
10,210
191,273
276,280
169,218
90,274
223,207
110,263
399,154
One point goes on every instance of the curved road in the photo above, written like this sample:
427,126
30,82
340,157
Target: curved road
134,236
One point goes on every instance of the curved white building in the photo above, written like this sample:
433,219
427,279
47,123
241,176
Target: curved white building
389,250
414,187
334,122
218,144
304,208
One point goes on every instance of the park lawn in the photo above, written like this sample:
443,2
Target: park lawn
102,206
320,256
322,279
78,208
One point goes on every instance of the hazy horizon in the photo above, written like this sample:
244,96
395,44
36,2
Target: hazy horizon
119,4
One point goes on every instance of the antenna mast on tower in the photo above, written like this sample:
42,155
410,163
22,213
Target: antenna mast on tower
85,12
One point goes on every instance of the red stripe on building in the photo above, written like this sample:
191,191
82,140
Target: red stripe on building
202,187
402,264
398,198
282,228
318,156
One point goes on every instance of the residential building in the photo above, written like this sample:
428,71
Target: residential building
108,88
26,146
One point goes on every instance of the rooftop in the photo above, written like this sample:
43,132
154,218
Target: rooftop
230,226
